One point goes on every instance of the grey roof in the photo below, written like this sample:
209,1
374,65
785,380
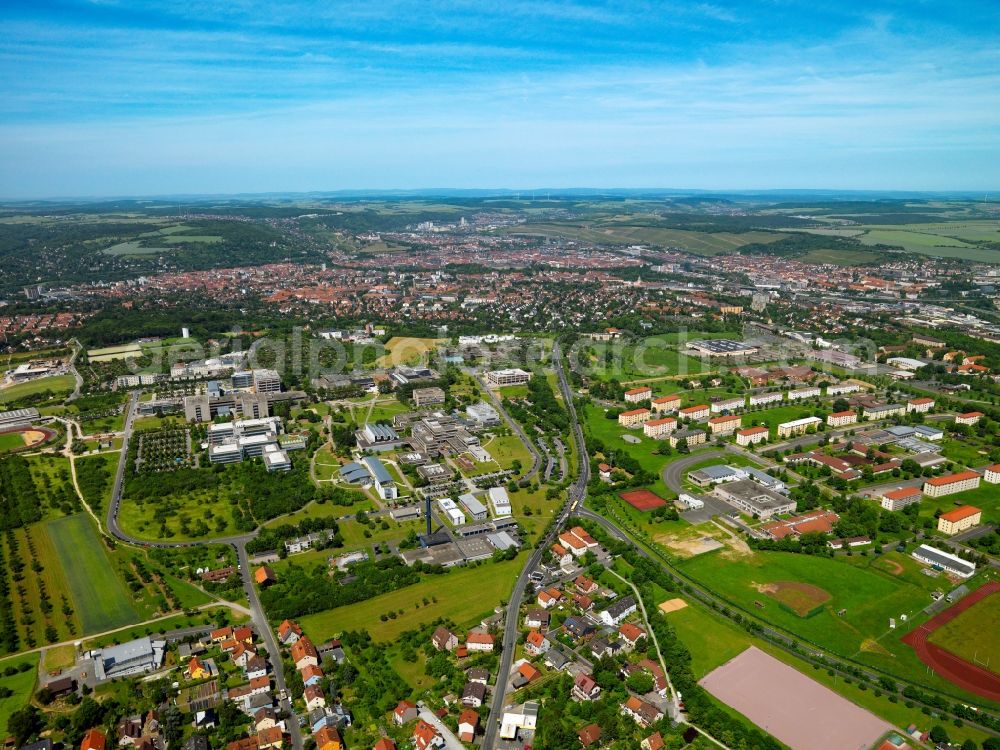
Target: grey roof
382,431
377,470
718,471
620,607
901,430
937,557
353,473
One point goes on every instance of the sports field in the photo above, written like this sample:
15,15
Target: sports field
855,616
464,595
99,596
59,385
964,636
643,500
10,441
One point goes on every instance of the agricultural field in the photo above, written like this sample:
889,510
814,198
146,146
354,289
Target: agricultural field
711,639
57,385
21,685
945,239
700,243
99,596
964,636
463,595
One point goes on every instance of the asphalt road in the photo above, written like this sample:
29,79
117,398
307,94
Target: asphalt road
239,542
575,496
536,456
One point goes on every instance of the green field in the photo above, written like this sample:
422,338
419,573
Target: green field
10,441
967,635
867,597
99,596
947,239
464,595
711,639
60,385
651,357
773,417
21,686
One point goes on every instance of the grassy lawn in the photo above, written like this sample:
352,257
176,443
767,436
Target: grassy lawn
404,350
10,441
463,595
649,358
384,411
354,532
963,636
505,450
963,451
773,417
986,497
57,384
21,686
210,505
711,639
99,597
868,598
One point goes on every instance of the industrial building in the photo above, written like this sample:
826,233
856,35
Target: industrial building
722,348
750,497
134,657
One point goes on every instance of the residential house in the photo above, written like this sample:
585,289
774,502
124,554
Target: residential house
549,598
631,634
589,735
468,723
426,736
196,670
585,688
536,644
644,714
443,639
537,618
93,739
311,675
289,632
474,694
314,697
618,611
479,641
404,713
304,652
385,743
328,738
585,585
269,738
653,742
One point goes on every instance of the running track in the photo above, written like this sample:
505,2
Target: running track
965,674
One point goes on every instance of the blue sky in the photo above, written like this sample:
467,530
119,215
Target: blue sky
141,98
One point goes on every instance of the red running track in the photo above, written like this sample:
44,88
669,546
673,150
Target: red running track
962,673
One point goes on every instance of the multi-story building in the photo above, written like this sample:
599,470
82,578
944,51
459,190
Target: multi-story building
728,405
634,418
992,474
266,381
969,418
666,404
752,435
759,399
883,411
657,428
920,405
428,396
723,426
898,499
949,485
841,389
511,376
637,395
798,426
803,393
692,437
960,519
841,418
701,411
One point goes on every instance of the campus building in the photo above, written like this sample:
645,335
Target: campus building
512,376
701,411
755,499
759,399
992,474
883,411
803,393
969,418
728,405
692,437
944,560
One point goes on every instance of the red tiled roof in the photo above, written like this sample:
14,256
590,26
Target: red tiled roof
960,513
952,478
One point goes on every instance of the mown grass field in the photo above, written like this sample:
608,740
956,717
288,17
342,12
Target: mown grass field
464,595
406,350
968,635
99,597
649,358
867,598
59,385
21,686
10,441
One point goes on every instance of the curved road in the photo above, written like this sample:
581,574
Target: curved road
575,496
536,456
238,542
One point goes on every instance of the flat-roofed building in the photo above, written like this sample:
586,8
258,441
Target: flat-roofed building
919,405
475,508
755,499
798,426
634,417
428,396
635,395
959,520
717,474
899,498
510,376
722,348
949,485
657,428
266,381
842,418
752,435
